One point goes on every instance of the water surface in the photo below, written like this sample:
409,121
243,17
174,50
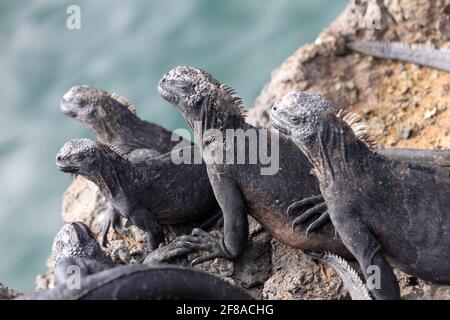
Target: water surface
123,47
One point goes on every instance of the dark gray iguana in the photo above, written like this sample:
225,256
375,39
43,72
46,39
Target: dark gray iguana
241,189
114,121
148,193
420,156
424,55
381,208
76,247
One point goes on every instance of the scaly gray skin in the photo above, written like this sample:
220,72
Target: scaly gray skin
424,55
240,189
316,203
113,120
381,208
352,282
148,194
76,246
431,157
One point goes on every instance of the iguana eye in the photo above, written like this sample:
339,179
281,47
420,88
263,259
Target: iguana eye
186,89
80,157
209,140
294,119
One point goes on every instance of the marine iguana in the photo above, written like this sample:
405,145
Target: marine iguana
76,246
352,282
316,203
241,189
424,55
114,121
383,209
147,193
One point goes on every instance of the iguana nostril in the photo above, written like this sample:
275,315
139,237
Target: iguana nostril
59,158
274,108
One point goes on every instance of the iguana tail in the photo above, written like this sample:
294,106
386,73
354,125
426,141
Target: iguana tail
426,156
351,279
425,55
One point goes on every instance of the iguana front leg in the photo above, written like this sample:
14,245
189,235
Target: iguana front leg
235,224
112,218
360,241
166,253
147,222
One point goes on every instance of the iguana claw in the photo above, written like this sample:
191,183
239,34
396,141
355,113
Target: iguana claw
324,217
319,208
200,240
167,252
299,205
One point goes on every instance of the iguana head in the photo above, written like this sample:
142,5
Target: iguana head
299,115
331,138
200,97
96,107
78,156
75,240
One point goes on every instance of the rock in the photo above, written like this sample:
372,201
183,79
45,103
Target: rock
406,132
295,276
430,113
7,293
325,70
389,95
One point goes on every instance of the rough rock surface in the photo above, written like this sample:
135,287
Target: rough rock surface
7,293
405,105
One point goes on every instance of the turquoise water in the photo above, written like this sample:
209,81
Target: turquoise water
123,47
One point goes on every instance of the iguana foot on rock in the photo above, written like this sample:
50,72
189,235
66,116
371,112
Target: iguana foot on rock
200,240
179,247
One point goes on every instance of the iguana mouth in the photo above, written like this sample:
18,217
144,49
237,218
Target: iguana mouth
278,124
167,93
67,108
68,169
